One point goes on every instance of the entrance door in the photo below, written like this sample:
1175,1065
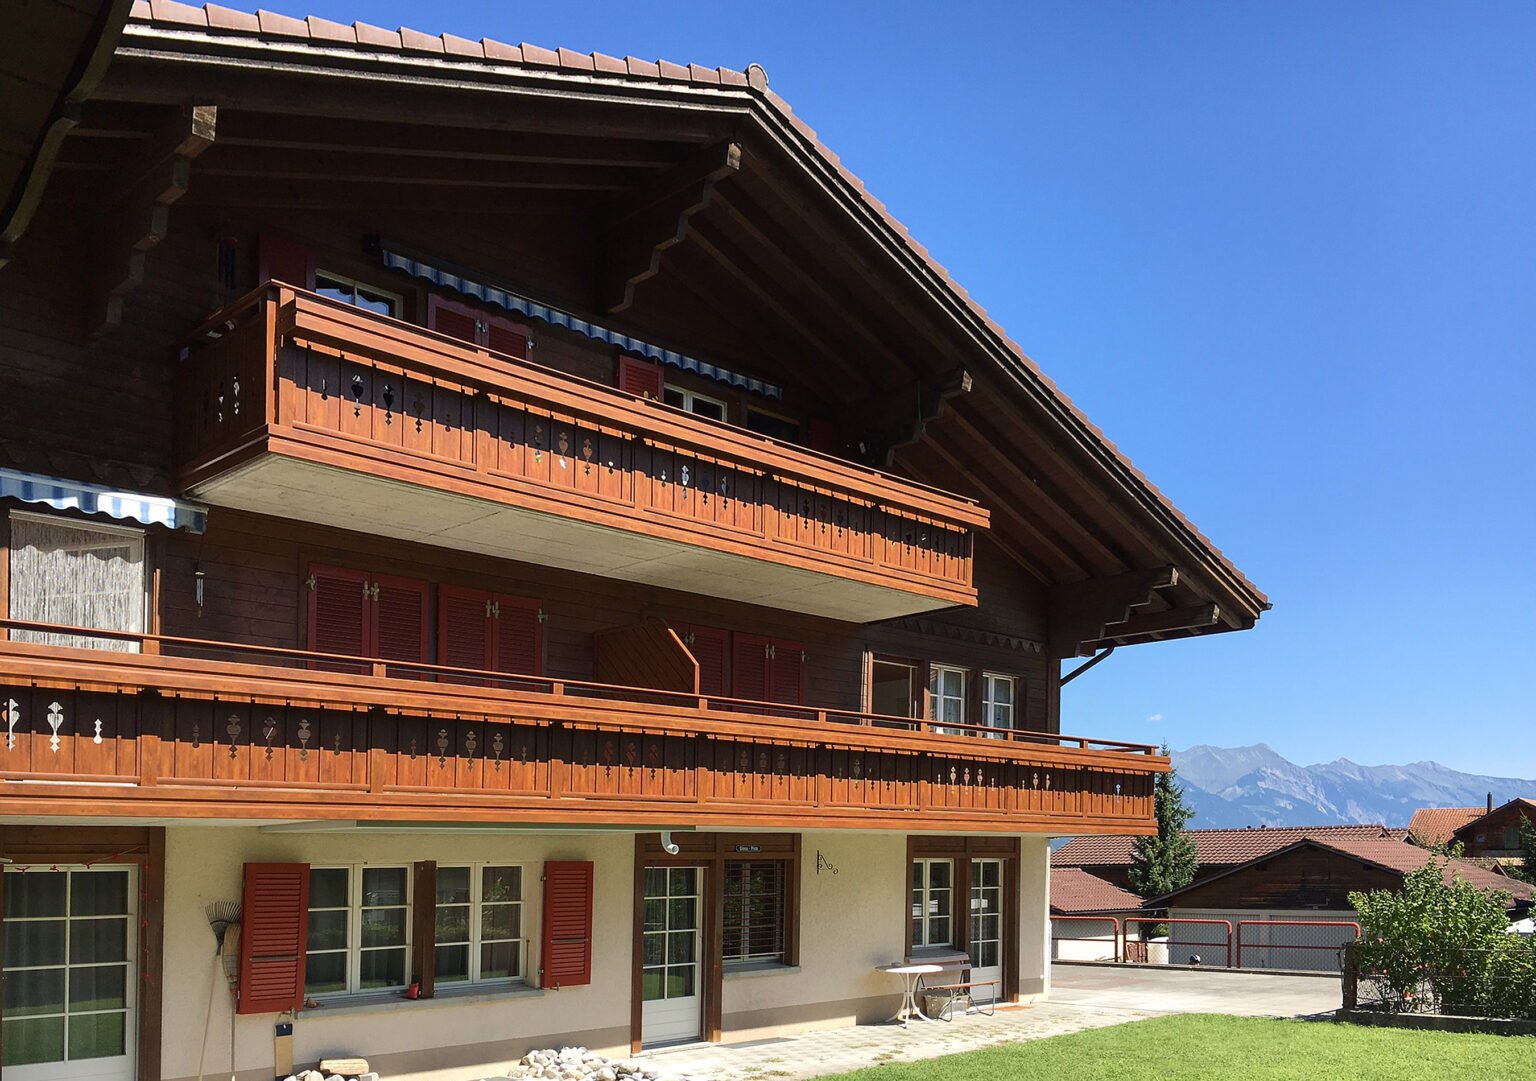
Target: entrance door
986,924
70,980
671,977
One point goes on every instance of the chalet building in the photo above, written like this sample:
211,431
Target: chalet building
1431,826
1495,835
534,531
1216,850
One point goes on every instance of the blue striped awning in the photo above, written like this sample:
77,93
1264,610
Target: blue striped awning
532,309
96,499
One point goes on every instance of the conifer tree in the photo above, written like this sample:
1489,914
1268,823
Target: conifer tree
1165,861
1527,868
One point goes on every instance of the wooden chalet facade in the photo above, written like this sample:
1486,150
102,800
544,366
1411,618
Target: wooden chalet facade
534,528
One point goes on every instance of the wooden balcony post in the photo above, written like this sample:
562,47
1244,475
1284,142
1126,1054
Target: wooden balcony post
154,716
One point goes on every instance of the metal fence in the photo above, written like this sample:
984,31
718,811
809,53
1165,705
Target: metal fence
1294,945
1180,941
1283,945
1085,938
1482,983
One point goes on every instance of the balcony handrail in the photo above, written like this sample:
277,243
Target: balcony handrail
576,688
463,363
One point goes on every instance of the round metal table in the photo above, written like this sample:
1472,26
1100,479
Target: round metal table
910,975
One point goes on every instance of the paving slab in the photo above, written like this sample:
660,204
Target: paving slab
1185,990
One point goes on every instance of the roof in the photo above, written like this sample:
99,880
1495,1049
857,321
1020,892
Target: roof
1392,854
1432,826
1215,847
1528,807
281,31
1075,892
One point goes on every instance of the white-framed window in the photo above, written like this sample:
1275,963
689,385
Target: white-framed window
358,294
480,935
946,697
700,404
77,574
359,930
933,902
998,694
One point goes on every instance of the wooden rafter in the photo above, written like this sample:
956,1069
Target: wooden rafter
137,214
1148,624
645,224
1082,613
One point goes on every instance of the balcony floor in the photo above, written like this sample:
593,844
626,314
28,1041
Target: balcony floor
286,487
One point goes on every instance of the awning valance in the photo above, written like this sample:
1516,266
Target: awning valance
532,309
97,499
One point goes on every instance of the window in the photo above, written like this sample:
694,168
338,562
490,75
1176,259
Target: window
356,293
946,698
932,903
997,703
359,930
698,404
77,574
893,686
754,911
773,426
479,923
1512,838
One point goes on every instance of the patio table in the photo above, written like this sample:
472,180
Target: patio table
910,974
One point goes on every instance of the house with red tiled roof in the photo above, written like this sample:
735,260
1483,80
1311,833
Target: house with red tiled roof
1289,907
1216,850
531,532
1496,834
1431,826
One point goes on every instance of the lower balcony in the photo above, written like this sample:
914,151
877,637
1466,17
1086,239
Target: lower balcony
186,728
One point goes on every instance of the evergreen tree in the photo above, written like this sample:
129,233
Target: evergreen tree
1165,862
1527,868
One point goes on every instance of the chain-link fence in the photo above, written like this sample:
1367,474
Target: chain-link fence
1294,945
1493,983
1085,938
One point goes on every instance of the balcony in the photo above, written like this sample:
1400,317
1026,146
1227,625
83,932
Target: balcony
194,728
293,405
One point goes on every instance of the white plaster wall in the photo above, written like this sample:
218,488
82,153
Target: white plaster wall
204,864
851,922
1034,926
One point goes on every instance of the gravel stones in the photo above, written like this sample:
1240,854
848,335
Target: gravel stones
579,1064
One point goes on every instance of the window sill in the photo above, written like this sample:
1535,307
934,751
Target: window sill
763,968
457,996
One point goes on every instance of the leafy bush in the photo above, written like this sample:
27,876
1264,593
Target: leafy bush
1441,946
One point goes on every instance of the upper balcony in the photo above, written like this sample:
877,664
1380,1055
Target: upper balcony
294,405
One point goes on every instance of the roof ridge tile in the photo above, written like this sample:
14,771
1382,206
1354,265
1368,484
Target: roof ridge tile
281,26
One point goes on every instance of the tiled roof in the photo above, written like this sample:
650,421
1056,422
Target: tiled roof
216,20
1075,892
1213,848
1431,826
1520,802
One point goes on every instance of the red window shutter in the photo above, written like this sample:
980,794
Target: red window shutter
642,378
786,673
749,667
400,621
822,435
283,260
274,931
339,614
566,957
463,628
505,336
453,319
710,646
518,636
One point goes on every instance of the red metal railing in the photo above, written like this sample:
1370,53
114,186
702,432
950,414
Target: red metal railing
1335,948
1113,939
1225,944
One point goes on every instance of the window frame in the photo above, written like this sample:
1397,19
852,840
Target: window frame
743,961
989,704
690,396
476,940
8,579
396,300
354,949
941,725
926,862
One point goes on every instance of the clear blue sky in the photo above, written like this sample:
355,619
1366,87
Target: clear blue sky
1284,254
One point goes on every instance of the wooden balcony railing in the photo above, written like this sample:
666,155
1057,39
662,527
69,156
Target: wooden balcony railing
289,373
200,728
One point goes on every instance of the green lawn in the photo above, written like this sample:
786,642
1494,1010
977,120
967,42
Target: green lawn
1209,1048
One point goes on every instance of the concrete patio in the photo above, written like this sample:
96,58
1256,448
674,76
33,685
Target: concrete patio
1082,997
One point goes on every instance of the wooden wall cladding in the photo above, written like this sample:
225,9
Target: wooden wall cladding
183,755
344,382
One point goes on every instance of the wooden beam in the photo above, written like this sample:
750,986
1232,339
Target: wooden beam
229,193
261,165
137,214
1195,617
643,226
1082,612
900,418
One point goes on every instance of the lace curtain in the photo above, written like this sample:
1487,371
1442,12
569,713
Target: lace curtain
77,575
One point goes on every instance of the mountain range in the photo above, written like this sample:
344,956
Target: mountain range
1255,786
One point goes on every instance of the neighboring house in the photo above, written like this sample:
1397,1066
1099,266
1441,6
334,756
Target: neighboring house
1432,826
1216,850
1307,881
1496,833
1095,913
536,531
